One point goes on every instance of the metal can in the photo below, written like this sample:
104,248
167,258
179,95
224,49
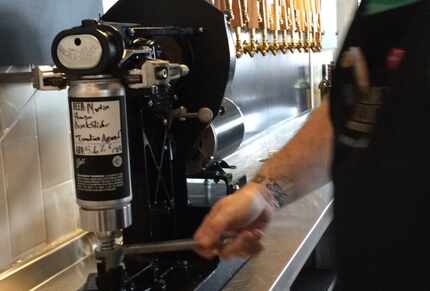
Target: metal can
100,153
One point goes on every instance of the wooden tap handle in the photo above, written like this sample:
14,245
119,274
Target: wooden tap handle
299,8
263,13
291,15
313,8
307,13
220,4
318,14
284,15
253,14
245,15
237,20
276,15
229,5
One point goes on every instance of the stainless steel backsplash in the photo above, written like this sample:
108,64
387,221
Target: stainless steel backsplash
37,204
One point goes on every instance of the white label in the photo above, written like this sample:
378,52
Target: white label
97,128
82,51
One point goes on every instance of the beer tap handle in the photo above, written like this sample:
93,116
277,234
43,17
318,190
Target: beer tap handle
229,9
275,26
245,17
299,20
308,24
253,25
284,26
237,20
237,24
264,46
293,24
220,4
253,14
318,24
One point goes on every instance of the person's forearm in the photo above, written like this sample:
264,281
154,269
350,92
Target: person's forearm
303,164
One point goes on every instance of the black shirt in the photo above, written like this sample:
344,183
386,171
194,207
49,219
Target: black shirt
380,107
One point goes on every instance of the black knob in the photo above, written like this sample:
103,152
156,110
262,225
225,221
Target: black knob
89,23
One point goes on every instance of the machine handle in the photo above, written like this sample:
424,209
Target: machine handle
168,246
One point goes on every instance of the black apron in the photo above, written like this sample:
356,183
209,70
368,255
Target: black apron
380,175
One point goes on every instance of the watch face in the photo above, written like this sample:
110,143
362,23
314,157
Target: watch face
378,6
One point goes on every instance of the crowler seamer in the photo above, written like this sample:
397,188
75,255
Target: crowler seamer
145,83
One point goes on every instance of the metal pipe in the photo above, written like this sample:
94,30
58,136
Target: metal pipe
161,247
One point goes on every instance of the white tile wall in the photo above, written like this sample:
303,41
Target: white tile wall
61,212
23,184
5,247
54,137
37,200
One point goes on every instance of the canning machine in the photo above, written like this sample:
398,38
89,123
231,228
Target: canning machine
160,93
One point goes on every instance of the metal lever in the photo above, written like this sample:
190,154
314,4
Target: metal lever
168,246
157,72
205,115
162,247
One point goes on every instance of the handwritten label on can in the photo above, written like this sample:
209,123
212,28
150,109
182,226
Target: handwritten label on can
96,128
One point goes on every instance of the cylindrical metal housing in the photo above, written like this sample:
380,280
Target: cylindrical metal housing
100,152
221,138
225,133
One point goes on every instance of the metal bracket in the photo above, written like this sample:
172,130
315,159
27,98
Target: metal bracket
158,72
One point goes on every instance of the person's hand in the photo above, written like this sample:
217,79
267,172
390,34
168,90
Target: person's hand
242,215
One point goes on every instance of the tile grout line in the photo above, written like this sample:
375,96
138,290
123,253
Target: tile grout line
6,204
36,129
7,131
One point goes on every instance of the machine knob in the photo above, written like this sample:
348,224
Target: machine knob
205,115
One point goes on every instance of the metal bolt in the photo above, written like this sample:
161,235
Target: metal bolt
165,122
163,74
154,90
131,32
150,103
201,29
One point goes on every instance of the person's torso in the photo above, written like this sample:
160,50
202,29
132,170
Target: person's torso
379,108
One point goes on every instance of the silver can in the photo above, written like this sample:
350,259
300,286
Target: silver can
100,153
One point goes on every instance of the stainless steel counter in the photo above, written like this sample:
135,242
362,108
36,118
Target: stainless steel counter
293,234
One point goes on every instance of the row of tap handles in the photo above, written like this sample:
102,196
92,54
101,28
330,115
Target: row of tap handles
280,25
